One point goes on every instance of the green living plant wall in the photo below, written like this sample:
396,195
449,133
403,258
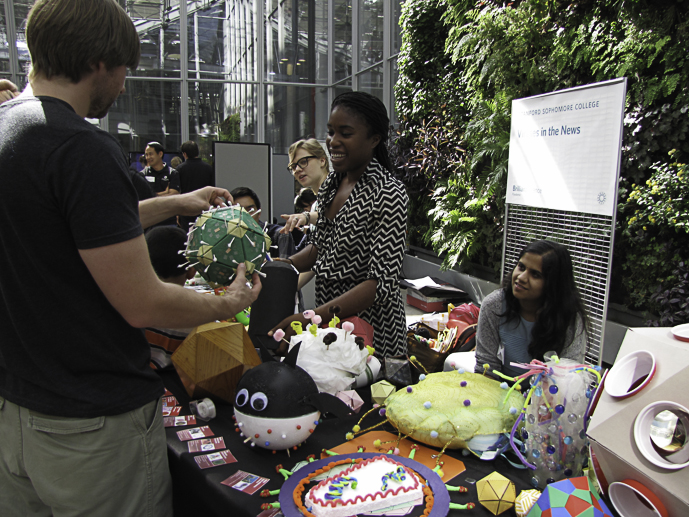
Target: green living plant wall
463,62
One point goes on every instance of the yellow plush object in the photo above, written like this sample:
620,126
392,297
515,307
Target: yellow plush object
496,493
380,391
525,500
453,407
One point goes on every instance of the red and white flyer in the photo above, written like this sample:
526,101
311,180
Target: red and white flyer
196,433
178,421
215,459
207,444
245,482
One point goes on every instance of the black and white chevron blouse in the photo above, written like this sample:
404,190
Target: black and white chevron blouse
365,240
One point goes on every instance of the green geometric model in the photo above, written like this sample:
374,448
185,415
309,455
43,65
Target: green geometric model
223,238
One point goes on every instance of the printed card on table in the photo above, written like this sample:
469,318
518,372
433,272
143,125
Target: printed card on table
245,482
171,411
178,421
207,444
170,401
215,459
195,434
167,393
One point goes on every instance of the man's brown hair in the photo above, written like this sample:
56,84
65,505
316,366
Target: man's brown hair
70,37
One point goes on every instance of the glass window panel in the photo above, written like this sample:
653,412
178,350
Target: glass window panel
342,40
372,81
225,112
157,23
21,12
370,32
147,111
295,112
303,58
4,45
396,34
222,40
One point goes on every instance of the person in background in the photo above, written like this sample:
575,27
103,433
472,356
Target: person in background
163,179
309,165
80,408
357,249
143,187
283,244
305,200
174,163
164,246
537,310
194,174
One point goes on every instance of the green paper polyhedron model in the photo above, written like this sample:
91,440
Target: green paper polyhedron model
223,238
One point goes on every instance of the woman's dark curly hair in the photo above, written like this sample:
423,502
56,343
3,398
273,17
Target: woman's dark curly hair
561,305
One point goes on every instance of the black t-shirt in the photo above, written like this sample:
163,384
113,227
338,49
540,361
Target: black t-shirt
161,180
64,349
194,174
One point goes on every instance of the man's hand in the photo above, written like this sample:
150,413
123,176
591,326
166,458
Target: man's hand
8,90
157,209
239,292
193,203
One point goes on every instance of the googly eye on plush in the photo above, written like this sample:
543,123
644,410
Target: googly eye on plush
242,397
259,401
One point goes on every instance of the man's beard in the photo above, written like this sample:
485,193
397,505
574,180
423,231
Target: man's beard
101,100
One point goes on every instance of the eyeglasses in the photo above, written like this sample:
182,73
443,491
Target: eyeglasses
302,163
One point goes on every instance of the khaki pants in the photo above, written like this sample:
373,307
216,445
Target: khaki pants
67,467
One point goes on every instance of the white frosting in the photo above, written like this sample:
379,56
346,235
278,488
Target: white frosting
369,494
335,367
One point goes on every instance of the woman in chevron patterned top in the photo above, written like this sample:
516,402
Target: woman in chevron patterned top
358,246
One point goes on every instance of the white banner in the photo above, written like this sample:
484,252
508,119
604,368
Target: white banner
565,149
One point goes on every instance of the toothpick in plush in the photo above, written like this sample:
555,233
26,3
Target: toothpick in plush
334,309
348,326
221,239
279,335
329,339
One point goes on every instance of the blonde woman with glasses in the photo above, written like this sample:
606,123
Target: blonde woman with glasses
310,166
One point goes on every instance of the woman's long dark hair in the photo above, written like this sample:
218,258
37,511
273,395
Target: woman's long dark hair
372,110
561,299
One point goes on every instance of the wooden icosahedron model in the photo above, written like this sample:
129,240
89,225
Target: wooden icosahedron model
213,358
223,238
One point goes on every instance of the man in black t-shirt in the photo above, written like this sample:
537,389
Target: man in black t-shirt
80,415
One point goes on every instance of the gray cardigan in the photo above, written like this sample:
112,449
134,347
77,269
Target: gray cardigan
488,335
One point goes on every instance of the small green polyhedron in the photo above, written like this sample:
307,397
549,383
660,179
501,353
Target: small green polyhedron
223,238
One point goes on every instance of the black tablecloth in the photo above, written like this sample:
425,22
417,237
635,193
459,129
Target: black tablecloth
200,492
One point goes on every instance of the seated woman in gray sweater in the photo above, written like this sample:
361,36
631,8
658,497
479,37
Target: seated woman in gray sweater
537,310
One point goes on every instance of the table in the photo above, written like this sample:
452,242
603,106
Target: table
200,492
